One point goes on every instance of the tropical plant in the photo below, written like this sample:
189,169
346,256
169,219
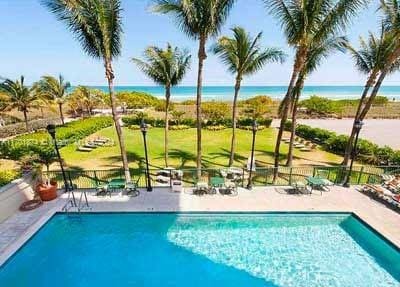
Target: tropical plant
177,116
18,96
306,24
376,57
165,67
97,25
316,53
200,20
85,99
243,55
53,89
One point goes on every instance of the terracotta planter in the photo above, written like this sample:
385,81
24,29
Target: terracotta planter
47,192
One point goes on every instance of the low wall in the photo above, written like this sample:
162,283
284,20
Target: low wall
13,194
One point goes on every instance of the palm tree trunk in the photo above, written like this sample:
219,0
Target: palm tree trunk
61,113
370,82
234,120
202,56
373,95
297,67
299,88
110,79
26,119
167,99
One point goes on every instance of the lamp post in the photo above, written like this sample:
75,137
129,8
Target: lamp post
51,129
254,130
358,126
144,128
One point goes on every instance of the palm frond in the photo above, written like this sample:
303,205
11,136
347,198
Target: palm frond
196,18
95,23
165,67
243,54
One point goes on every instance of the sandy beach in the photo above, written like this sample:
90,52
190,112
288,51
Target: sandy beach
380,131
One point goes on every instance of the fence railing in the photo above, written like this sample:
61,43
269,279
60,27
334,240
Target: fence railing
87,179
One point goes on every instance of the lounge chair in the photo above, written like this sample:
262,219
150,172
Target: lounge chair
84,149
377,189
89,145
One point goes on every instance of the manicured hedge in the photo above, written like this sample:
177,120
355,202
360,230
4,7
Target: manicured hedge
134,121
332,142
32,143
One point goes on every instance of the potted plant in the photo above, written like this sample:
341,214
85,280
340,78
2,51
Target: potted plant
46,189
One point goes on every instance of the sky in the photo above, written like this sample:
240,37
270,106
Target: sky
33,43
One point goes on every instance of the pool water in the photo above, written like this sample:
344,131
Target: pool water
204,250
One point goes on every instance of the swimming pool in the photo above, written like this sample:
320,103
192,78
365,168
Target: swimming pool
172,249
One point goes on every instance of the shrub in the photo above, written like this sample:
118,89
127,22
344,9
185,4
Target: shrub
215,128
7,176
249,128
215,112
179,127
32,143
256,107
260,121
320,105
138,100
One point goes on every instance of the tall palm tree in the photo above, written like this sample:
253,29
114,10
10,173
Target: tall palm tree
97,25
244,56
200,20
373,58
315,56
165,67
19,96
55,89
306,22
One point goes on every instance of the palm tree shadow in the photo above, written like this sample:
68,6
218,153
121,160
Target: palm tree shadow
183,156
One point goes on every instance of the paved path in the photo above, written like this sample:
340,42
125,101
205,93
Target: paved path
17,229
380,131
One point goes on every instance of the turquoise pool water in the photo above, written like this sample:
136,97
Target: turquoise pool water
204,250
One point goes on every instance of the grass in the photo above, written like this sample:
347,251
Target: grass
216,146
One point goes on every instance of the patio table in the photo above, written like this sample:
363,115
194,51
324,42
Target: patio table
217,181
316,183
115,184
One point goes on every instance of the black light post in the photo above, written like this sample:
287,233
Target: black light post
358,126
254,130
51,129
144,128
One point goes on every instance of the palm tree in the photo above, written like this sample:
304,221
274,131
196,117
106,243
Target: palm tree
19,96
373,58
85,98
200,20
165,67
315,56
97,25
307,23
244,56
54,89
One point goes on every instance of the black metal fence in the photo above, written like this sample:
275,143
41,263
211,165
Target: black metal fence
87,179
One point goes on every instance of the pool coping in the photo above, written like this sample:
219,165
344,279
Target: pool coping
17,245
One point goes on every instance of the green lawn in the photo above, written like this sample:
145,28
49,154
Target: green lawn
183,150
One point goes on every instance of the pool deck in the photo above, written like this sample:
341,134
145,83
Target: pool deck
16,230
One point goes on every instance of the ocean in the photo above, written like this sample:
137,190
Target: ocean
225,93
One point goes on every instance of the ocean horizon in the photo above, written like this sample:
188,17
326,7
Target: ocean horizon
225,93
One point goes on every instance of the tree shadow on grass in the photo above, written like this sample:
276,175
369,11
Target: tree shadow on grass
183,156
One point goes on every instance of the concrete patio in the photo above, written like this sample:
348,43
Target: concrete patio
20,227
